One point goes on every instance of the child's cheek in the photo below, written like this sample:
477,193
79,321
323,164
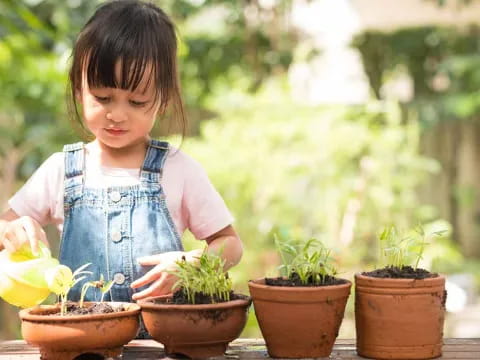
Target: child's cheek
93,109
94,119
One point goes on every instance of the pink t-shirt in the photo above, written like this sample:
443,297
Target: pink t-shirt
192,200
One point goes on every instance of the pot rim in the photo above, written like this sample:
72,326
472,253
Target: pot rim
26,315
260,284
359,275
374,282
149,305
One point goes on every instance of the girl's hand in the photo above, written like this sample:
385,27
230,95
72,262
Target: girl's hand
159,277
14,233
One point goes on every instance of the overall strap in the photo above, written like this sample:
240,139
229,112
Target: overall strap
154,160
74,164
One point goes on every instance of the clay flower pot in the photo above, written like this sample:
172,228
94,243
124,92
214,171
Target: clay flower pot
299,322
66,337
399,318
197,331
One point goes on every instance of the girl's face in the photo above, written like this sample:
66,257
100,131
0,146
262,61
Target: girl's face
119,118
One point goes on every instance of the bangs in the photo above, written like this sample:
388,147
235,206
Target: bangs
101,70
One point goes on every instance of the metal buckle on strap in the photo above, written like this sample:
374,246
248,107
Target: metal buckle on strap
73,147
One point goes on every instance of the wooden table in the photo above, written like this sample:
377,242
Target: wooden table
240,349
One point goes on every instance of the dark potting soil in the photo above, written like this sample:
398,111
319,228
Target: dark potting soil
294,280
180,298
90,309
405,272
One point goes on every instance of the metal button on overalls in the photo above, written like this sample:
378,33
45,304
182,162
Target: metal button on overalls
119,278
117,236
115,196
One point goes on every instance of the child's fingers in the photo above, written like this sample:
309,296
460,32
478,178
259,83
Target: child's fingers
43,237
16,236
34,233
162,262
161,286
147,292
150,290
145,279
140,282
8,245
3,229
3,238
150,260
23,230
151,275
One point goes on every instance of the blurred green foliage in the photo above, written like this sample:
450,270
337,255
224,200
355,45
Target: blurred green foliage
444,68
443,64
312,172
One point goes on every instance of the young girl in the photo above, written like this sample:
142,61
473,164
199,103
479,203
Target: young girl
122,201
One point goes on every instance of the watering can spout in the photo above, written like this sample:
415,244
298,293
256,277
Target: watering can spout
22,275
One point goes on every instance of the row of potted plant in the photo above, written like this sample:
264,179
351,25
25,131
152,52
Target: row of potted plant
399,309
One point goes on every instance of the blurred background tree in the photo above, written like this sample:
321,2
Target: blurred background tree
286,160
444,67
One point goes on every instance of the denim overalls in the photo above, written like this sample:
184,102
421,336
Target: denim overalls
112,227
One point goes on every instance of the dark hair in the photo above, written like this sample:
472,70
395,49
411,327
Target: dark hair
138,34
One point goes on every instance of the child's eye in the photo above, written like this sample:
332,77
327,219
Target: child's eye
102,99
138,103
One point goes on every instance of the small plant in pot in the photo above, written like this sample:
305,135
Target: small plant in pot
300,314
66,330
400,308
203,315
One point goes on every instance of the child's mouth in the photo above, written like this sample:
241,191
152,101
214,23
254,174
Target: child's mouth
116,132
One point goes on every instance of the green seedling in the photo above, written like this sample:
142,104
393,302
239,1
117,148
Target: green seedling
400,249
61,279
101,284
206,276
310,260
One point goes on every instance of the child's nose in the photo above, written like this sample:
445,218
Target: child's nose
117,114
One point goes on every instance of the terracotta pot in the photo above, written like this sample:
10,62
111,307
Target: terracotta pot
299,322
197,331
66,337
399,318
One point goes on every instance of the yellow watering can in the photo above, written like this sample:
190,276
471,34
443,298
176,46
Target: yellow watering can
22,275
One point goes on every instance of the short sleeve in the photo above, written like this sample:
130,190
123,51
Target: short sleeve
204,209
41,196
